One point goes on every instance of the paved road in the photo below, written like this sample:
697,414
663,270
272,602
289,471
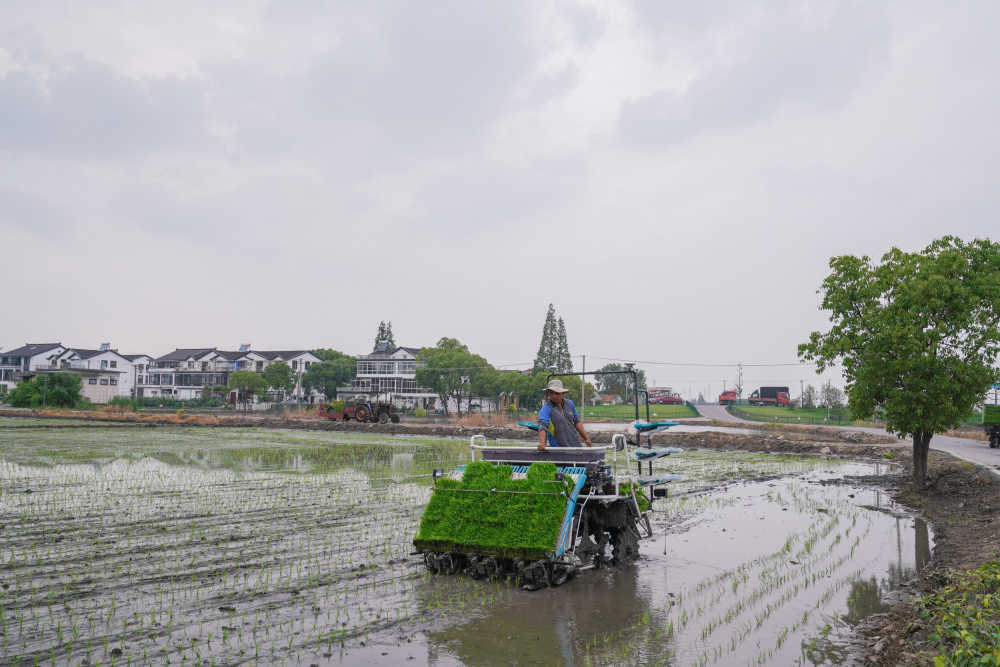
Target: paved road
973,451
720,413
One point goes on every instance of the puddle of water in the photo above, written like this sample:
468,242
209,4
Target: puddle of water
274,547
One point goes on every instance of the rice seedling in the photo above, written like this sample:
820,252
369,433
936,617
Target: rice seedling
135,545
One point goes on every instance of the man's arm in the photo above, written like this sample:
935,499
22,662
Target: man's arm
583,434
543,426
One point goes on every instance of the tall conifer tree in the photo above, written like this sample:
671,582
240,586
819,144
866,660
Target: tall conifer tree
547,356
563,360
384,335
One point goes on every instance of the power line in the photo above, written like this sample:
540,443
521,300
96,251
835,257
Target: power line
710,364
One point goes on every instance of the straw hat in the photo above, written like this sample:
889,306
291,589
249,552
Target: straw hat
556,386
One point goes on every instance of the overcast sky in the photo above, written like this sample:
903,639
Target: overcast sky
673,176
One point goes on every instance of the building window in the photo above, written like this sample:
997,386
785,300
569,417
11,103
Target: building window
92,381
104,381
114,364
295,365
104,363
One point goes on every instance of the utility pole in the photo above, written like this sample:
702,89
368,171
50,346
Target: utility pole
739,385
583,384
802,394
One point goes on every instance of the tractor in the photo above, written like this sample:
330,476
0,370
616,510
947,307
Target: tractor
373,408
991,421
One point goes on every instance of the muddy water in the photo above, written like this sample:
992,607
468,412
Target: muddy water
767,573
143,546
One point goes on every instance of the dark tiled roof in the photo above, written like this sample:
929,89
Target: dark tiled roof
386,353
133,357
230,356
185,353
87,354
284,354
31,349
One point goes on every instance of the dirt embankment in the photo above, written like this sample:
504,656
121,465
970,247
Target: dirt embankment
961,502
766,438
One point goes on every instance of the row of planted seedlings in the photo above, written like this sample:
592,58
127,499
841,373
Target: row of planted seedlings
746,613
141,560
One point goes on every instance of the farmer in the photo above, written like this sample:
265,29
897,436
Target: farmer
558,422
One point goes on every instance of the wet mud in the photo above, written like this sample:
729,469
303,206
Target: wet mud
141,546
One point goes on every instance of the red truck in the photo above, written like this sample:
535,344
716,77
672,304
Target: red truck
727,397
664,396
769,396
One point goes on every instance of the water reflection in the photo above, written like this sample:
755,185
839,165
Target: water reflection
534,628
868,594
756,564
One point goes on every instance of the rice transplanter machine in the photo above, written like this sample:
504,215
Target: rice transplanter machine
540,517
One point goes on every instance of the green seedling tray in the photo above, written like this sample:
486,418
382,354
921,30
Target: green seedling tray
488,513
991,414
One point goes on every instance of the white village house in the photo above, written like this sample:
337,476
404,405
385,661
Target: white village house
183,373
30,357
390,370
393,370
117,379
104,373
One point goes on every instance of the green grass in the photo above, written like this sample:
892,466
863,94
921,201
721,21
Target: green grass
628,412
766,413
965,616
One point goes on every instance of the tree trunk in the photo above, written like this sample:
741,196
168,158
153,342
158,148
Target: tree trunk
921,445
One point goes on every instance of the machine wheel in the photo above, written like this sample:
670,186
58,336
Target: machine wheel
483,567
431,562
383,418
536,576
449,563
560,574
361,414
624,544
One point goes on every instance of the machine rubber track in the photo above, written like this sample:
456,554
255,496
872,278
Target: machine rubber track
530,574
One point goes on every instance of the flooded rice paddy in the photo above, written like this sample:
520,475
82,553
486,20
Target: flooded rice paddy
133,545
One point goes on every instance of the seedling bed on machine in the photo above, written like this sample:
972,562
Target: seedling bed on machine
537,517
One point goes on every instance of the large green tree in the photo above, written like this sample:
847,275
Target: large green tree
280,376
57,390
247,384
451,370
916,334
326,376
619,384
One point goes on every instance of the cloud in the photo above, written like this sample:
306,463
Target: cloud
85,109
794,60
429,73
21,209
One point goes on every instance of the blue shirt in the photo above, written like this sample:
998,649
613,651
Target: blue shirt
560,432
